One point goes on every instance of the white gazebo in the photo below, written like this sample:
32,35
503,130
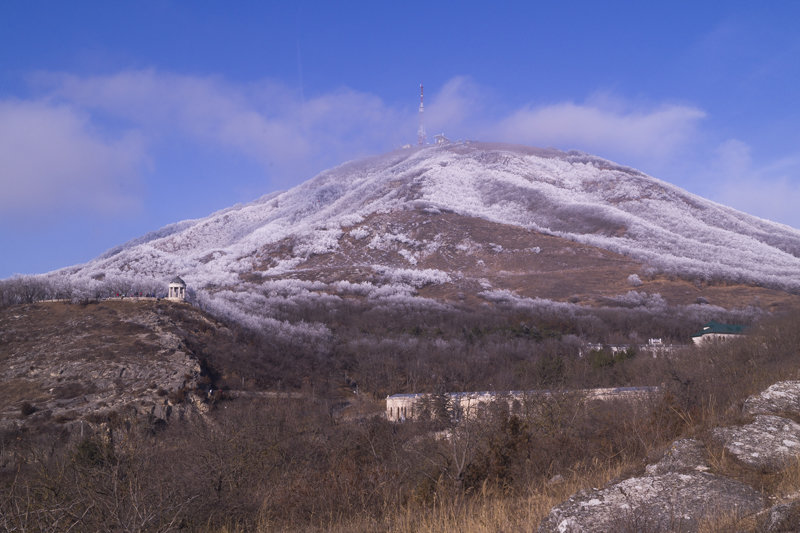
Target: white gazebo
177,289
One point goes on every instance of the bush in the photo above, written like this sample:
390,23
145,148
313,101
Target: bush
92,452
27,408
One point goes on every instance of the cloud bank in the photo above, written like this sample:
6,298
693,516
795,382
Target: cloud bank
266,121
51,157
770,191
657,132
85,142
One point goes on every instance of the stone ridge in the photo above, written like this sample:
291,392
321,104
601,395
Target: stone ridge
783,397
769,443
678,494
65,363
662,502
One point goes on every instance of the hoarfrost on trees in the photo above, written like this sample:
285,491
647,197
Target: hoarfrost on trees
416,278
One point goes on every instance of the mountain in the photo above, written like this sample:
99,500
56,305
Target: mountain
469,222
460,267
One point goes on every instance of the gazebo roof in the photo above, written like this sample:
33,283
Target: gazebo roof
177,281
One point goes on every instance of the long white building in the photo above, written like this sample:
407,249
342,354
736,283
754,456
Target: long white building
401,407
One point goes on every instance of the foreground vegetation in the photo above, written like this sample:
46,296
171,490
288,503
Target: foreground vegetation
327,460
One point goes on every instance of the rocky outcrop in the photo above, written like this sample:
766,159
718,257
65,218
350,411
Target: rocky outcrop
769,443
63,363
662,502
683,456
679,492
782,518
674,494
778,399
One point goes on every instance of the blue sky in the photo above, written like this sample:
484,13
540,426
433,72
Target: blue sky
117,118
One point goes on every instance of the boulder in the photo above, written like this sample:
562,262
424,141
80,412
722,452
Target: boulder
768,443
664,502
780,398
684,455
782,518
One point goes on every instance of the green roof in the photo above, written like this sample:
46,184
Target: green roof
720,329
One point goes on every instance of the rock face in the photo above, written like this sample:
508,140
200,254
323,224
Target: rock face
62,363
684,456
768,443
665,502
780,398
677,492
782,518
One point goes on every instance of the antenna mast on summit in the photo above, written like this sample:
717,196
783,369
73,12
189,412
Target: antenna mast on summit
421,138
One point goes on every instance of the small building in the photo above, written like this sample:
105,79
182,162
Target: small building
402,407
177,290
613,349
717,331
658,348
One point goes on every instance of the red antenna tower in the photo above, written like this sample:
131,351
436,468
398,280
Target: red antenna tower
421,137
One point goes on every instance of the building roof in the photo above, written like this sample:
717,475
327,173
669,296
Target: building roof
178,281
720,329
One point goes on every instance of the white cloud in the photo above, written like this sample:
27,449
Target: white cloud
459,101
52,160
290,136
271,123
266,121
604,124
602,128
770,191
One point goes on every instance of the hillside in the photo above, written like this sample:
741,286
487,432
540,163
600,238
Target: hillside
569,195
466,223
64,362
464,267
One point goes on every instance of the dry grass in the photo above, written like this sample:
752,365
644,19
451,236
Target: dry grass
489,511
492,511
727,524
307,470
786,484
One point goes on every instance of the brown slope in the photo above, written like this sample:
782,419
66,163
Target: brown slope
61,362
481,255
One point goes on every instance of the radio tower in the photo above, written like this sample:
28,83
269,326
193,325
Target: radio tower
421,131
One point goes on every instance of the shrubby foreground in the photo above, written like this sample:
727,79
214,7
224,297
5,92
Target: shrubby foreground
326,459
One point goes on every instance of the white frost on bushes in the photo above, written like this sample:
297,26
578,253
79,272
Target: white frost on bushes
282,266
359,233
408,256
244,308
345,287
468,246
641,299
416,278
634,280
505,296
389,241
319,242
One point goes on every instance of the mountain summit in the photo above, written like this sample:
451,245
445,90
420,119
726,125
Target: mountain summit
456,217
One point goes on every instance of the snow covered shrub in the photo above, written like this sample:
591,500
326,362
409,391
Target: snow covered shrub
634,281
641,299
317,242
359,233
416,278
